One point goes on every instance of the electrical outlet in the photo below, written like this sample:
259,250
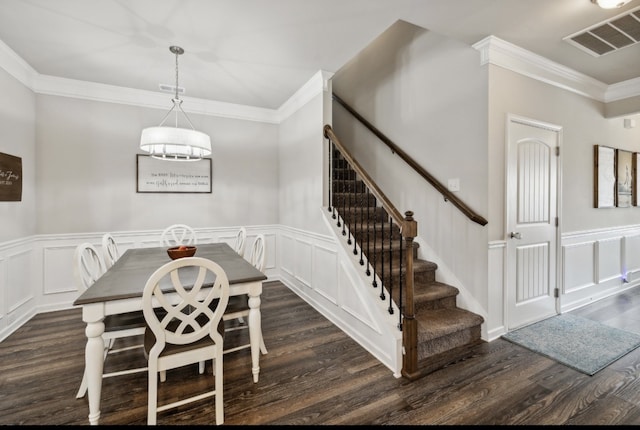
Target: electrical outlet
454,184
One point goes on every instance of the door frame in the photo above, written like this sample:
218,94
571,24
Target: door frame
559,272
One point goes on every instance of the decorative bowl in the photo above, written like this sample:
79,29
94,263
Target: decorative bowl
181,251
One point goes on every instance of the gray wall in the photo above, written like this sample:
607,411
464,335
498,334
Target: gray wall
17,138
428,94
584,125
86,176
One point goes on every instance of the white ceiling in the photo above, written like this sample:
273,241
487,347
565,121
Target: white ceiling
260,52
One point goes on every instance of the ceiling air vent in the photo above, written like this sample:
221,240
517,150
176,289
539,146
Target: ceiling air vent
609,36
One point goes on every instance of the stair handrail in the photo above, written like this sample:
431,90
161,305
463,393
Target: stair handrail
448,195
409,230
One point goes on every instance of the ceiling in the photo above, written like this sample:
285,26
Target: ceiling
260,52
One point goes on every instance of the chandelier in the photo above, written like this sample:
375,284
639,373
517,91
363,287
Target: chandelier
175,143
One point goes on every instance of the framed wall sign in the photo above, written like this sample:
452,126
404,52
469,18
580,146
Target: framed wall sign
163,176
624,178
604,177
10,178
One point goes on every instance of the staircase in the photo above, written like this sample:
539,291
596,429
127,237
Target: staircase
445,333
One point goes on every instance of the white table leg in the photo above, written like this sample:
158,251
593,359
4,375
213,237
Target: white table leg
94,361
254,333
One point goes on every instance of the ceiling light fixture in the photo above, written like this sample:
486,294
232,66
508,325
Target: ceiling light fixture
610,4
175,143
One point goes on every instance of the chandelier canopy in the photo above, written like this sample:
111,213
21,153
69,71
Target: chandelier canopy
175,143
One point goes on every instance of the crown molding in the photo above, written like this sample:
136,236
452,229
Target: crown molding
504,54
492,50
318,83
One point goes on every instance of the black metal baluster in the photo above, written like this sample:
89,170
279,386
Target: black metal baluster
361,226
330,173
382,279
334,177
390,265
349,227
375,251
355,214
401,285
368,272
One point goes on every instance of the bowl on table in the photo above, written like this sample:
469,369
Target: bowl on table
181,251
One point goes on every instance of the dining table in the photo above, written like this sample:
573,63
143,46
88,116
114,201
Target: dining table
119,290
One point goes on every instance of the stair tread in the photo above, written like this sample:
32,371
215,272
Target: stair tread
434,290
436,323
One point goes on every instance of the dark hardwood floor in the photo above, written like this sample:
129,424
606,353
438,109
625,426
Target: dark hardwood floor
316,374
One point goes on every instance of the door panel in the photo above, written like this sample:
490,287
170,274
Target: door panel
532,187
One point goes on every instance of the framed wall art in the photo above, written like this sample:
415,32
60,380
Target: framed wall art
163,176
604,177
624,178
10,178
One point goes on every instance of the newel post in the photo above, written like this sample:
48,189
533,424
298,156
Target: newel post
409,325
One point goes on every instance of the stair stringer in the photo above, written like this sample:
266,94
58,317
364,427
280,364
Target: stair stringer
375,329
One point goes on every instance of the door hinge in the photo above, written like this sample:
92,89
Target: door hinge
557,221
557,151
556,293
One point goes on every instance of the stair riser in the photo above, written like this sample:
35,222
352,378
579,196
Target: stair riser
356,215
347,186
428,348
340,200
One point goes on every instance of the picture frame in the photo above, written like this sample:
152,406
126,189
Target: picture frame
604,177
10,178
624,178
168,176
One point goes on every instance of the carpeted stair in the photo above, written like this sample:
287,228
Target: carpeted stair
446,333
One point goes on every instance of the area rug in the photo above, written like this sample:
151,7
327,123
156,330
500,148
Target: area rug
580,343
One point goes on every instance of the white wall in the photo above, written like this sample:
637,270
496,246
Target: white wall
86,178
428,94
301,168
17,138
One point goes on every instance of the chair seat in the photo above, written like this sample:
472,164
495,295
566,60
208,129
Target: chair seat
237,304
124,321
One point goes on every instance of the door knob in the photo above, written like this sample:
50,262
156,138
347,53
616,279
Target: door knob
515,235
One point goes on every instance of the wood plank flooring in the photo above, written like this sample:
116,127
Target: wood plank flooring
316,374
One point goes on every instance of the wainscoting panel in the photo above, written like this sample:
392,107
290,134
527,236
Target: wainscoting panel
55,258
303,262
595,265
19,292
574,256
325,277
631,257
18,288
609,262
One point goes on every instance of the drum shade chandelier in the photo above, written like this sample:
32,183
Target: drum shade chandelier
175,143
610,4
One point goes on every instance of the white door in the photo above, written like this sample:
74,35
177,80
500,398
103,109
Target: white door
532,221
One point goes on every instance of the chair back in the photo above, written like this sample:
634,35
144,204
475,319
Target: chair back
178,234
87,266
110,252
240,241
256,258
193,314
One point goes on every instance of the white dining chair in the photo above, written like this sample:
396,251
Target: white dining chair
191,330
238,307
110,252
87,268
178,234
241,237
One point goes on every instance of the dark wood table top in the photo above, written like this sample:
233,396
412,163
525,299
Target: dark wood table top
128,276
